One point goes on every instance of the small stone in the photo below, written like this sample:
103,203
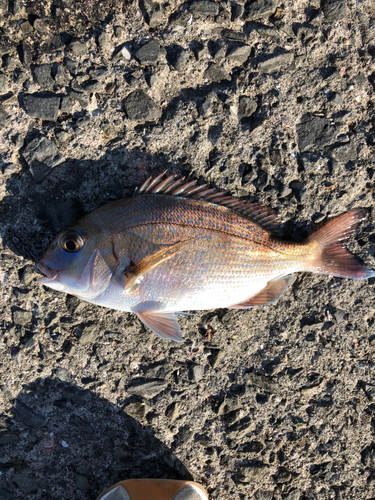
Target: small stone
256,9
314,133
74,304
215,357
204,7
62,135
80,97
173,410
252,473
43,107
282,476
141,108
25,55
239,54
246,107
267,32
275,63
3,83
293,495
26,28
4,117
147,388
82,482
104,41
216,74
78,48
149,53
40,25
63,374
252,447
93,86
87,334
42,75
240,429
27,415
136,410
62,76
237,10
196,372
263,495
233,35
8,438
345,152
21,317
99,73
42,156
334,10
156,17
66,105
26,481
27,275
177,57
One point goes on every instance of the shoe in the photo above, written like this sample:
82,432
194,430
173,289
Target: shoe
154,489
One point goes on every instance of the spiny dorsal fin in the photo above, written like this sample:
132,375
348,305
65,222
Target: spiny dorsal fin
177,186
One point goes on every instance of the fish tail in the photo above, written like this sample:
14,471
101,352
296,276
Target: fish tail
330,255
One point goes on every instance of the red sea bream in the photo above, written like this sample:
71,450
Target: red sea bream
176,246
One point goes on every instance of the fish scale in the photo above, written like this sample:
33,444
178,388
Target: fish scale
155,254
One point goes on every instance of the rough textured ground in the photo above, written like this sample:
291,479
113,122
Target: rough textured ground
273,102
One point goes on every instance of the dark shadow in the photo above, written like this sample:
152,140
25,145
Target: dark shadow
62,441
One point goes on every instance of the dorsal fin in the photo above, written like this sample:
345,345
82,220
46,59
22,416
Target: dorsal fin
177,186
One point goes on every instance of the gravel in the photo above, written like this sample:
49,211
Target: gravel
271,102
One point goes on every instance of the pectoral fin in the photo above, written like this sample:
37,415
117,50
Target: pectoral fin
134,274
271,293
164,324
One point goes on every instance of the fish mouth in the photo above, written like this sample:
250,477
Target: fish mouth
48,273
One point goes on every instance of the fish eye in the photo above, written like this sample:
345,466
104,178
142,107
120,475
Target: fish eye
71,242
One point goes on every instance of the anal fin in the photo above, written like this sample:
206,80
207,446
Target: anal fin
270,294
163,324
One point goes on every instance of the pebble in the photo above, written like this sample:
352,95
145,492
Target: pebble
215,357
149,53
252,473
293,495
82,482
258,9
8,438
246,107
26,481
263,495
240,429
187,493
345,152
87,334
78,48
41,106
239,54
155,17
216,74
275,63
177,57
62,76
21,317
141,108
196,372
42,75
63,374
3,83
28,416
314,133
136,410
4,117
173,410
42,156
205,8
147,388
334,10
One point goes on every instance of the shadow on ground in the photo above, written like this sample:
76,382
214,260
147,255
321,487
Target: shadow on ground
61,441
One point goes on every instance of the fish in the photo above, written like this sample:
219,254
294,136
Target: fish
178,246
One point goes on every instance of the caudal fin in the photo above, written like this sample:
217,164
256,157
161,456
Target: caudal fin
332,257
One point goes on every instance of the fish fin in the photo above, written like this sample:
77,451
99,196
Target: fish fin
333,258
174,186
271,293
164,324
134,273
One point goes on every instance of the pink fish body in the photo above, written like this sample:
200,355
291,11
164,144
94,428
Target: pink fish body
178,247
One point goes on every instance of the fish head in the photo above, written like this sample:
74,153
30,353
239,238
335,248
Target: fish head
72,262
